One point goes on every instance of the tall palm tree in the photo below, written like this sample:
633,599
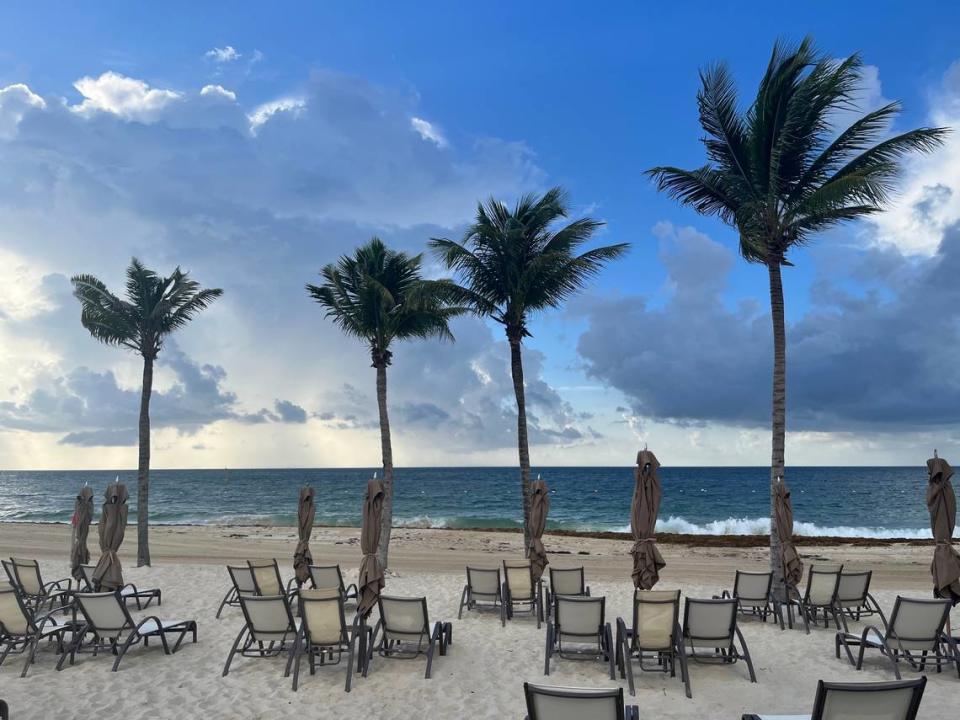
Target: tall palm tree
780,172
155,306
377,295
515,262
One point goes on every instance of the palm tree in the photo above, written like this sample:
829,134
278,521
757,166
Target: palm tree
378,296
155,306
517,262
780,172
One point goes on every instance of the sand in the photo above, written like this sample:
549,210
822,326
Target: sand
482,676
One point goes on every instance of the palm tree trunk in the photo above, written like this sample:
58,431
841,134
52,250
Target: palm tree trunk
143,468
386,519
779,415
516,369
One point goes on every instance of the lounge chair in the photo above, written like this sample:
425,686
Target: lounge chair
820,596
107,619
128,592
38,595
654,640
21,631
324,632
579,631
4,711
854,599
482,592
266,579
566,581
711,635
324,577
241,583
754,596
846,701
520,591
568,703
914,635
405,632
269,629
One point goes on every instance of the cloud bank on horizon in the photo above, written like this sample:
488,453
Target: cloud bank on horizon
255,197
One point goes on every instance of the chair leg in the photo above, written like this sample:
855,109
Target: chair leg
463,601
126,646
30,655
547,648
430,649
745,652
226,599
684,670
233,651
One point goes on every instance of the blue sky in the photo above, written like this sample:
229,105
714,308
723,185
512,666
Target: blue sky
518,97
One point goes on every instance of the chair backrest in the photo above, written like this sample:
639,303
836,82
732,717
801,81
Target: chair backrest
853,588
752,588
709,623
563,703
321,611
28,575
86,572
105,612
266,577
567,581
404,618
484,583
822,584
915,624
268,617
242,578
579,618
15,619
655,614
326,577
519,579
868,701
10,572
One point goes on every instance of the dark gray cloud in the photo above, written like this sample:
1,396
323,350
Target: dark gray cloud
290,412
877,349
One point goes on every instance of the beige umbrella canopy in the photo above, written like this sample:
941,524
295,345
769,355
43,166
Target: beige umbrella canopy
783,512
942,504
371,574
82,515
539,507
302,557
108,575
647,560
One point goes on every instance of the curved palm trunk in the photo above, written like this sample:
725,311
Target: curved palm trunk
386,518
143,468
779,415
516,370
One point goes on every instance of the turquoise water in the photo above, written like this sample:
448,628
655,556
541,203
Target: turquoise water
866,502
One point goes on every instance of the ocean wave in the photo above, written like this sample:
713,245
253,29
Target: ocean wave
761,526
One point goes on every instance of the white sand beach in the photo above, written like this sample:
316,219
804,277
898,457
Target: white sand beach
483,673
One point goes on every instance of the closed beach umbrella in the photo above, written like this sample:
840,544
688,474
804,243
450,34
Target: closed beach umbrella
82,515
647,560
539,507
302,558
942,504
783,511
371,574
108,575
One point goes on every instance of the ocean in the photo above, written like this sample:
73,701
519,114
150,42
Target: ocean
880,502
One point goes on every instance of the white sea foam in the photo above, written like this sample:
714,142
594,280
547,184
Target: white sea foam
761,526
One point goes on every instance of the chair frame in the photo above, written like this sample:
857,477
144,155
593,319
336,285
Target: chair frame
824,688
290,589
945,648
809,610
602,636
4,711
510,604
629,649
771,608
722,655
36,631
348,592
469,601
246,635
232,598
50,591
349,634
624,712
440,636
867,606
127,592
584,588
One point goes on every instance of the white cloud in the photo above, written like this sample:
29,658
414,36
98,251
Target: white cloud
15,101
123,96
429,132
219,92
225,54
263,113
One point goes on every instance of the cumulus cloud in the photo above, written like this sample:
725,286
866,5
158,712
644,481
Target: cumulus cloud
15,101
218,92
225,54
262,113
126,97
429,132
290,412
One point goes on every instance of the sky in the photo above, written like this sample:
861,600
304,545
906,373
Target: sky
251,144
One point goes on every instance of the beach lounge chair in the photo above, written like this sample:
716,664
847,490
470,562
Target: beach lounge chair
324,577
754,596
269,629
566,581
711,635
107,619
520,591
324,633
21,631
569,703
241,583
654,640
482,592
404,631
266,579
128,592
579,631
25,576
914,635
820,596
854,599
877,701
